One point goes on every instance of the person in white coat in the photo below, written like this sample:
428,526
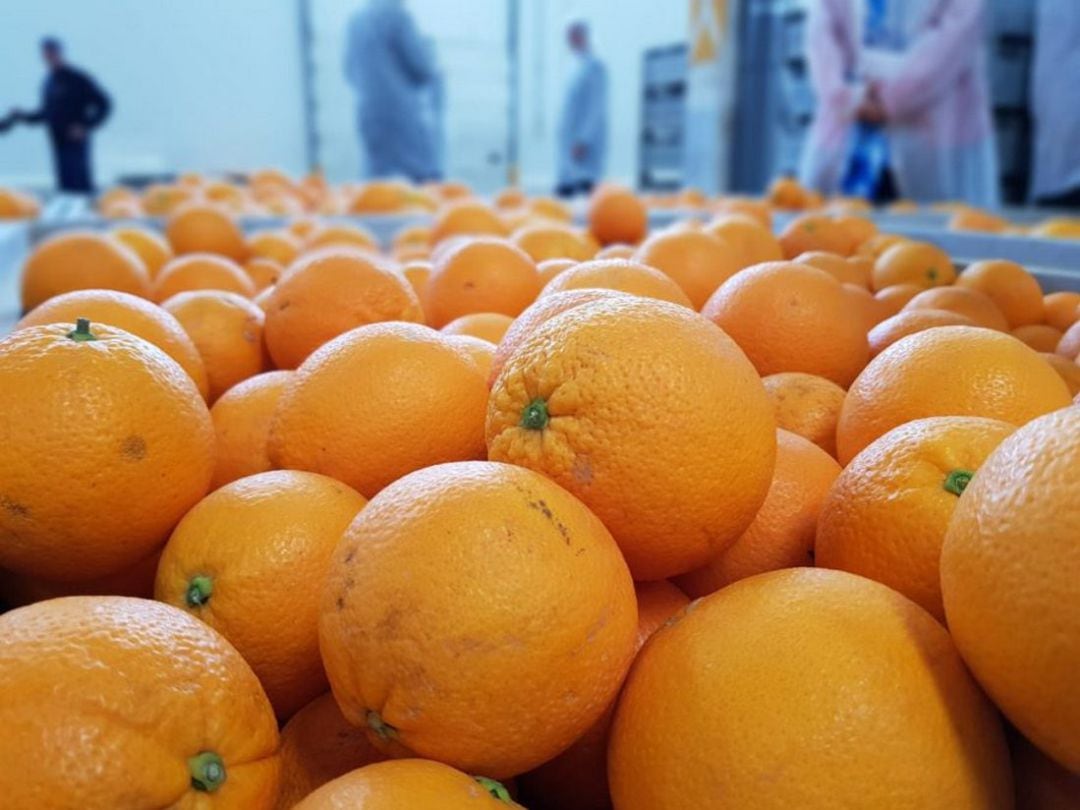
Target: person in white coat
914,71
391,67
1055,104
582,136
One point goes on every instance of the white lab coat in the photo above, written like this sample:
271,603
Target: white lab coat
934,90
1055,98
584,121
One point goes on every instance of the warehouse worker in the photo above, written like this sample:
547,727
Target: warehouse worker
903,104
583,126
1055,104
391,68
72,106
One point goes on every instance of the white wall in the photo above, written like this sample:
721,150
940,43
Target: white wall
207,85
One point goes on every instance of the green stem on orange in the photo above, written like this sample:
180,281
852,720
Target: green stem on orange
198,591
384,730
207,771
495,788
81,333
957,480
535,416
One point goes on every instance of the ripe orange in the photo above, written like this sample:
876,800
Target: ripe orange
1069,345
242,417
227,330
974,219
550,208
121,702
120,417
264,273
16,205
342,235
1008,576
554,241
909,322
757,210
392,607
616,251
695,260
480,351
782,534
1015,291
786,193
750,240
764,660
200,227
466,218
1067,369
1062,309
814,232
147,244
416,784
489,326
202,271
886,516
130,313
593,392
411,236
859,229
878,244
863,306
806,405
894,298
549,268
380,197
480,275
947,371
281,246
247,560
623,275
789,317
329,292
616,214
380,402
81,260
845,270
511,197
918,263
977,306
1039,336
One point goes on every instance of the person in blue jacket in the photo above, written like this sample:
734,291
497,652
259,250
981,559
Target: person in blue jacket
391,68
72,106
582,144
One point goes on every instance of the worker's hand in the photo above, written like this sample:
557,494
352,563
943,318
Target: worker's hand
77,132
871,110
579,151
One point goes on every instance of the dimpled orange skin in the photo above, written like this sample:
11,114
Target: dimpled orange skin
789,317
622,275
480,275
894,298
104,445
202,271
317,745
1068,370
342,235
695,260
1039,336
114,695
242,417
616,214
81,260
656,420
280,246
264,273
415,784
466,218
1008,576
148,244
550,268
918,263
910,322
206,228
1062,309
886,516
750,240
976,305
814,232
847,271
947,371
479,614
805,688
489,326
782,534
380,402
264,542
554,241
480,351
1012,288
130,313
326,294
806,405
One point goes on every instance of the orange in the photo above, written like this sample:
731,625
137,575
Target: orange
466,218
616,251
202,271
947,371
121,702
550,208
553,242
695,260
918,263
412,236
594,392
135,315
909,322
814,232
380,197
806,405
623,275
242,417
119,417
758,210
264,273
979,308
549,268
416,784
782,534
246,560
484,274
974,219
1069,345
863,306
886,516
895,297
616,214
876,245
805,688
859,229
392,604
81,260
262,300
16,205
845,270
148,245
786,193
751,241
480,351
329,292
1015,291
135,580
281,246
1058,228
200,227
342,235
489,326
1039,336
789,317
303,228
1008,577
1062,309
510,198
1067,369
380,402
228,332
1041,784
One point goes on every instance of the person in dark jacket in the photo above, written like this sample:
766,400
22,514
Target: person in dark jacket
72,106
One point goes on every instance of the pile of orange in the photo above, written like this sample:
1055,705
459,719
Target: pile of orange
290,517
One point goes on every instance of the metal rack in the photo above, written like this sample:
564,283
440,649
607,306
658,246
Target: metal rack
663,118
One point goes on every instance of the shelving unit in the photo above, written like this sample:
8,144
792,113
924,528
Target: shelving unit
663,118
